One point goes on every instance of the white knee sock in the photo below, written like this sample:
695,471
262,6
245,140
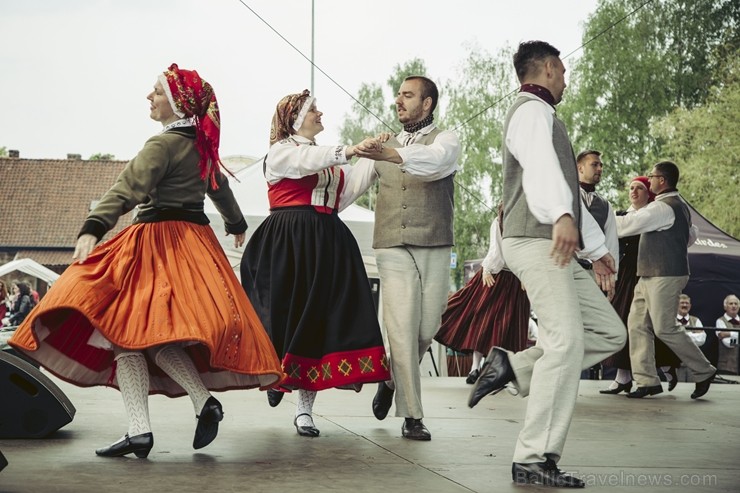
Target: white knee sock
133,381
178,365
477,357
668,376
306,399
623,376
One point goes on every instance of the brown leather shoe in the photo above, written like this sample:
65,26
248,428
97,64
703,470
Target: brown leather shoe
414,429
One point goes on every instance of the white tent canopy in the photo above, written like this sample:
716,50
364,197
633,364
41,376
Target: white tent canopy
251,193
30,267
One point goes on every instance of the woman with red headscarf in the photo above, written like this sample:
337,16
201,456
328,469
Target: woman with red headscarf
302,267
640,195
157,308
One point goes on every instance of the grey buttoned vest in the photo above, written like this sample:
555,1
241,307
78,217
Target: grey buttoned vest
411,211
665,253
518,220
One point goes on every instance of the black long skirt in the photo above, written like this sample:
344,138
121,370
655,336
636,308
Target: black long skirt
304,274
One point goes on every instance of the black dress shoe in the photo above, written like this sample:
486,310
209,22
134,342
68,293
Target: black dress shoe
382,401
274,397
472,376
208,420
414,429
544,473
701,388
306,431
494,375
641,392
621,387
674,378
139,445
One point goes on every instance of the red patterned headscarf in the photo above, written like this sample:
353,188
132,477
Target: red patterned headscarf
289,115
192,97
646,182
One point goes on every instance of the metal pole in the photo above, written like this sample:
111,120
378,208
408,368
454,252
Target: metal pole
312,36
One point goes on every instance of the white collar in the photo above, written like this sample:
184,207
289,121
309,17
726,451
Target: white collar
183,122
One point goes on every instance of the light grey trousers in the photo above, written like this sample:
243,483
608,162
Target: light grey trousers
414,282
652,314
577,329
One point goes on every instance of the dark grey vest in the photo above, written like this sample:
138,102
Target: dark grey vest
518,220
664,253
411,211
599,208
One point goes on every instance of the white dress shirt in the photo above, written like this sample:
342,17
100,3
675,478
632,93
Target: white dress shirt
494,261
656,216
722,323
529,139
426,162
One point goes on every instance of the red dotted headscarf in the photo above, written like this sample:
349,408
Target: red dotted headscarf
289,115
645,181
192,97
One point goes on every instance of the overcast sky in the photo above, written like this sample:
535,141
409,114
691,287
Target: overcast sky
74,74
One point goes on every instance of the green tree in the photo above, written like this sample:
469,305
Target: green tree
708,138
478,102
662,56
3,152
101,157
375,113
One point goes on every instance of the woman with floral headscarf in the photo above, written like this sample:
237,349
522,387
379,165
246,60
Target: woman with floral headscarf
302,267
157,308
640,195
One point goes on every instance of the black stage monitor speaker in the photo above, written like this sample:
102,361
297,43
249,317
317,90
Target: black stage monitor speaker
32,405
3,461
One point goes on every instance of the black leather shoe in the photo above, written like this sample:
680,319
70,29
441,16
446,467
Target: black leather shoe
701,388
641,392
139,445
208,419
274,397
621,387
306,431
544,473
382,401
674,378
472,376
494,375
414,429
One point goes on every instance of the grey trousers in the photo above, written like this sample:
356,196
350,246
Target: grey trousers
414,282
652,315
577,329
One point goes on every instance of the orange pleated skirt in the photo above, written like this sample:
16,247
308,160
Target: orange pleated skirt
151,285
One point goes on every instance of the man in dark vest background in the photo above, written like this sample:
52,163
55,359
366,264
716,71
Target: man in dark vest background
590,168
412,241
545,225
663,267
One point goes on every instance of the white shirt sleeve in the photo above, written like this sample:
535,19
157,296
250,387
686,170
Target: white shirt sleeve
656,216
529,139
494,260
357,179
285,159
698,324
610,236
434,161
699,338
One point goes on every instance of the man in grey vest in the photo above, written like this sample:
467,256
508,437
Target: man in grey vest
663,267
545,225
412,242
589,175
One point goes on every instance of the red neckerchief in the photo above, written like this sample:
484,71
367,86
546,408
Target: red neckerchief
539,91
